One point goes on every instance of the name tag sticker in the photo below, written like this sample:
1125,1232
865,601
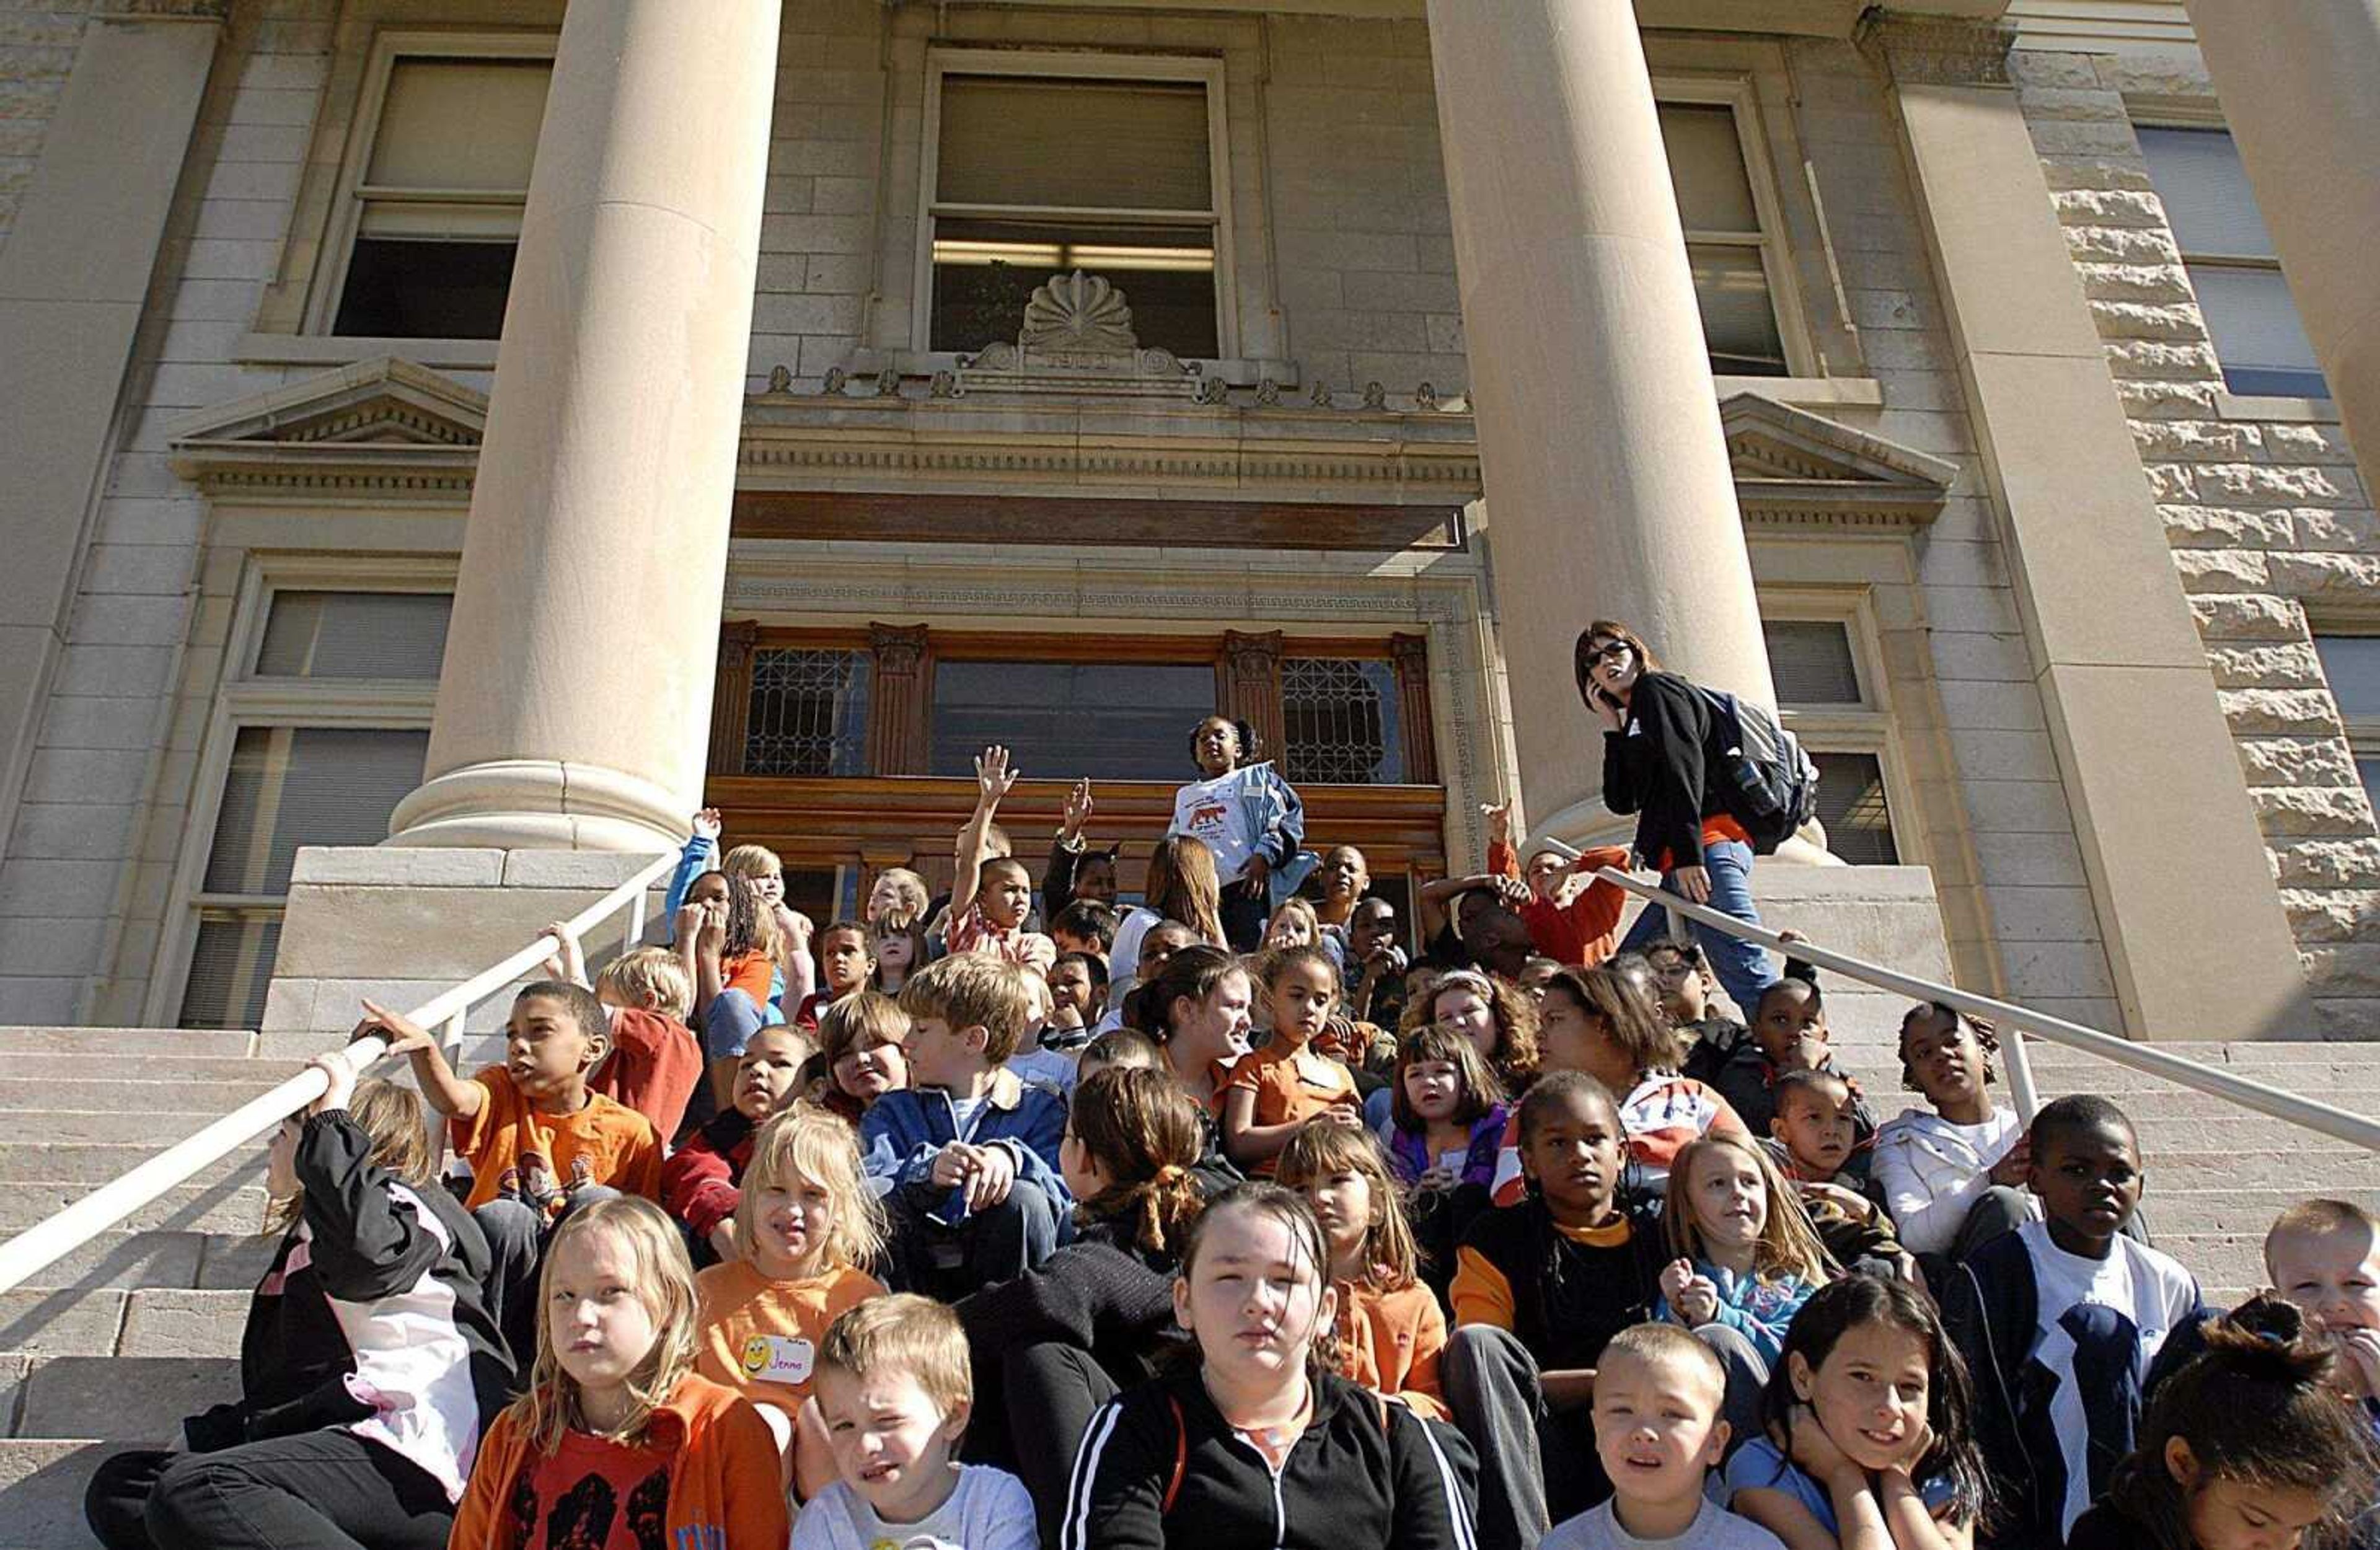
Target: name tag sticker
779,1358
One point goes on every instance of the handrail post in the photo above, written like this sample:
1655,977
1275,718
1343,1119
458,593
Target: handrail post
2022,1091
635,916
453,1031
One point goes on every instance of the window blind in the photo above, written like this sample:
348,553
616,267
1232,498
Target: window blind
355,635
292,786
1084,144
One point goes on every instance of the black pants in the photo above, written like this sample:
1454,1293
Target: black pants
311,1491
946,1262
1245,911
1052,1391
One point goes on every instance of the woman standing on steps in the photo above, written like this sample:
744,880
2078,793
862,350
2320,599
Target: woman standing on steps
1658,734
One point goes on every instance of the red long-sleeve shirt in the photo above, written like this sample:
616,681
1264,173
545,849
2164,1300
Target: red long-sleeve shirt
1585,930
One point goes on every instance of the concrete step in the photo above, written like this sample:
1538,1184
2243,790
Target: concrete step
115,1124
2247,1211
122,1396
42,1485
175,1070
2341,1170
2184,1103
227,1206
124,1260
91,1093
134,1042
142,1322
96,1162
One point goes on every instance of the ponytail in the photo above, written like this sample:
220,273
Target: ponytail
1144,1132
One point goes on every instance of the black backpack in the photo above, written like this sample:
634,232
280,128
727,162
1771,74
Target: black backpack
1762,778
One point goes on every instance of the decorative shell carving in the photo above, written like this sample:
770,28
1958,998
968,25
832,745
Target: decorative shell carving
1376,398
1078,311
832,386
780,379
1321,396
1268,392
1426,397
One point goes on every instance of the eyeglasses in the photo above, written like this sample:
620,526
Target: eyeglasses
1607,651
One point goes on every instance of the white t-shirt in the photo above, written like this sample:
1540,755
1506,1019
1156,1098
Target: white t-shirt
2149,1296
1216,811
1714,1528
987,1510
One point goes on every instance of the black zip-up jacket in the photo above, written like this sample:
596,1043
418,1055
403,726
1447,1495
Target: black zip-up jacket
1102,1293
1656,765
405,1270
1160,1467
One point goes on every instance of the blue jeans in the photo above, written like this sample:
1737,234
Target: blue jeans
1742,967
731,1020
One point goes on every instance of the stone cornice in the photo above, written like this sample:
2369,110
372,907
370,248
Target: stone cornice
1939,50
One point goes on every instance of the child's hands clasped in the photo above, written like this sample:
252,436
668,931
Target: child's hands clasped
1692,1297
986,1174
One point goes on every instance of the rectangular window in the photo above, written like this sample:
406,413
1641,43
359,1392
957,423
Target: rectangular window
2351,666
808,714
1341,722
1812,661
1852,806
2232,264
329,729
1725,242
438,198
1109,721
286,787
1036,175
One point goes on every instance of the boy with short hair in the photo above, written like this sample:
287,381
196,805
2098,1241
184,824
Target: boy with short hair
2324,1255
894,1389
1789,1033
702,1180
2061,1319
846,962
969,1150
1657,1431
1814,1140
1087,925
655,1059
539,1139
1078,992
992,896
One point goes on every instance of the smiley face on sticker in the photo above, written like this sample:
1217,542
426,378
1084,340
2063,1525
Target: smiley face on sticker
755,1357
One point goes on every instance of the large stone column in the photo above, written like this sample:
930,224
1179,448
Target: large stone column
2300,89
575,696
1608,489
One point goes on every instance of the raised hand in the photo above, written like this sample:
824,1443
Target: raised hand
1500,820
992,776
1078,811
707,825
403,1033
342,1079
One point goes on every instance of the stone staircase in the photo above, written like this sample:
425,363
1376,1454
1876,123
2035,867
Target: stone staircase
112,1346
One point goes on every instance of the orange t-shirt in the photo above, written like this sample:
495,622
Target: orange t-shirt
590,1494
1389,1341
1291,1084
518,1152
760,1336
754,974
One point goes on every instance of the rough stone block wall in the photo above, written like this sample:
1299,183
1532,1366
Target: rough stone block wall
2272,529
818,227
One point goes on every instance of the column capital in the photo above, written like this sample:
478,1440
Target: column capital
1939,50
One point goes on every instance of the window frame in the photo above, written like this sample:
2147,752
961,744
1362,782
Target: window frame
350,197
1739,94
245,700
1075,66
1866,727
2202,117
2360,733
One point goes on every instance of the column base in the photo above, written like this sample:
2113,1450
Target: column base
539,805
1589,822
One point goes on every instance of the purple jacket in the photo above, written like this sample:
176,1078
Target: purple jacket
1409,1150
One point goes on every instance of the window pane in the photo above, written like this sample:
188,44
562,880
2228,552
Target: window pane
1707,165
2257,335
808,714
2204,189
1339,718
292,786
1738,323
230,970
1096,144
355,635
2367,769
1851,804
405,289
1812,661
1109,721
985,271
460,124
2351,663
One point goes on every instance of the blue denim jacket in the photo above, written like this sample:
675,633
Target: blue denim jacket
903,1131
1275,813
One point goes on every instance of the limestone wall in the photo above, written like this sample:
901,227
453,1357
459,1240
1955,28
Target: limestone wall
2271,527
37,49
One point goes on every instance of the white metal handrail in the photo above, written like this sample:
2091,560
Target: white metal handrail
52,1238
2336,1123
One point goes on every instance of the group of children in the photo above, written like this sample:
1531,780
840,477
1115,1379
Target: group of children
956,1226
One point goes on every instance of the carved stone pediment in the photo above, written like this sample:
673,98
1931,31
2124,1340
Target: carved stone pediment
383,423
1793,465
1076,338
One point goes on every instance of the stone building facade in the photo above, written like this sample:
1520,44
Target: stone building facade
1989,375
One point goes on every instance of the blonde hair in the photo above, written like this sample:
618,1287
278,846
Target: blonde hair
651,978
392,1116
1294,908
973,990
2319,1219
904,1333
751,861
664,1283
806,1144
912,897
1789,1245
1181,885
1323,1146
